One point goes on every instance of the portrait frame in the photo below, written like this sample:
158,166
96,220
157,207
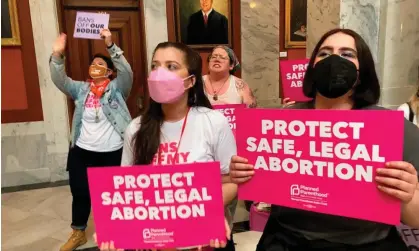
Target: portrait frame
14,39
290,25
180,25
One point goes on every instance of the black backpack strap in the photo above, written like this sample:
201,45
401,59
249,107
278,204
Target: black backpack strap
411,114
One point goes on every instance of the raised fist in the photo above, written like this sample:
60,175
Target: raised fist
107,35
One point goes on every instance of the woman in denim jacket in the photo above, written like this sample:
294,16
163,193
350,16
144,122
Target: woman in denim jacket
100,119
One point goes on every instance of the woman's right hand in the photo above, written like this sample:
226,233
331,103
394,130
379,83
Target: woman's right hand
240,170
287,102
58,47
106,246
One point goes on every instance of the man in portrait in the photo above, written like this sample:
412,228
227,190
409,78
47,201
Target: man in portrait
301,33
6,27
207,26
298,20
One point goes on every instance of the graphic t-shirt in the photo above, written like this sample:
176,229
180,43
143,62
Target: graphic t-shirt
97,133
207,137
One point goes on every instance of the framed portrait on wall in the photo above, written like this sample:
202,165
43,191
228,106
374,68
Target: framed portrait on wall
10,35
203,23
295,23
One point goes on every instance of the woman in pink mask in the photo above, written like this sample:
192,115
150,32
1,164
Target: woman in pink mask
221,86
180,116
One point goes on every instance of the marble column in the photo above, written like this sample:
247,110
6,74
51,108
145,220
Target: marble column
155,25
400,63
362,16
36,152
260,49
389,27
322,16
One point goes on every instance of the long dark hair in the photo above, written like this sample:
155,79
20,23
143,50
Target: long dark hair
367,91
147,140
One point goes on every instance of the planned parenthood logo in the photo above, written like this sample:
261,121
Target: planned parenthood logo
310,197
159,237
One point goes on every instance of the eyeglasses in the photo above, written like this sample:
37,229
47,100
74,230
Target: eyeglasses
214,57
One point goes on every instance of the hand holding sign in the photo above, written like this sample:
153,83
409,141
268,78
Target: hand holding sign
89,25
106,246
287,102
107,35
221,244
240,170
399,179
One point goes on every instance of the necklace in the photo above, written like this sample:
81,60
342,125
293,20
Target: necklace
215,93
97,115
98,90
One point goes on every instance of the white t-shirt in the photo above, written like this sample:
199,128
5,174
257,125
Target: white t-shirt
405,108
207,137
97,136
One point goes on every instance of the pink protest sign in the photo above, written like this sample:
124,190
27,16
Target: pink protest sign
321,160
410,236
292,75
88,25
158,206
230,112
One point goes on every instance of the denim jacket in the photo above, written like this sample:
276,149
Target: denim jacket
112,101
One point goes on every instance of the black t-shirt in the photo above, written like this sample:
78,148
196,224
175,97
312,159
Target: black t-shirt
337,229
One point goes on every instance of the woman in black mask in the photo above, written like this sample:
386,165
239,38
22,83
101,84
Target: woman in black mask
341,75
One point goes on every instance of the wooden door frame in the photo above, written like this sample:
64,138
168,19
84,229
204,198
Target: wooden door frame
62,25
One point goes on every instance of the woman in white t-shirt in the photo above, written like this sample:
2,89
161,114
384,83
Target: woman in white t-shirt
179,121
100,119
411,108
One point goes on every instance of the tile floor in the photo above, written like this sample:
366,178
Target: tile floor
39,220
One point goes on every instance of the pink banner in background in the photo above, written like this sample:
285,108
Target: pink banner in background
230,112
292,75
158,206
321,160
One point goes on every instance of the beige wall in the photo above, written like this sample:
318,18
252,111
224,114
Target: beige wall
391,29
36,152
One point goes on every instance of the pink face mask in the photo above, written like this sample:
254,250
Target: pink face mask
164,86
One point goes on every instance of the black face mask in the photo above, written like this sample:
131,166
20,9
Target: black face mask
334,76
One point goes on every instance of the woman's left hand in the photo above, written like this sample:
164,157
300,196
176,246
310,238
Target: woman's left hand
222,244
106,246
398,179
217,243
107,35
